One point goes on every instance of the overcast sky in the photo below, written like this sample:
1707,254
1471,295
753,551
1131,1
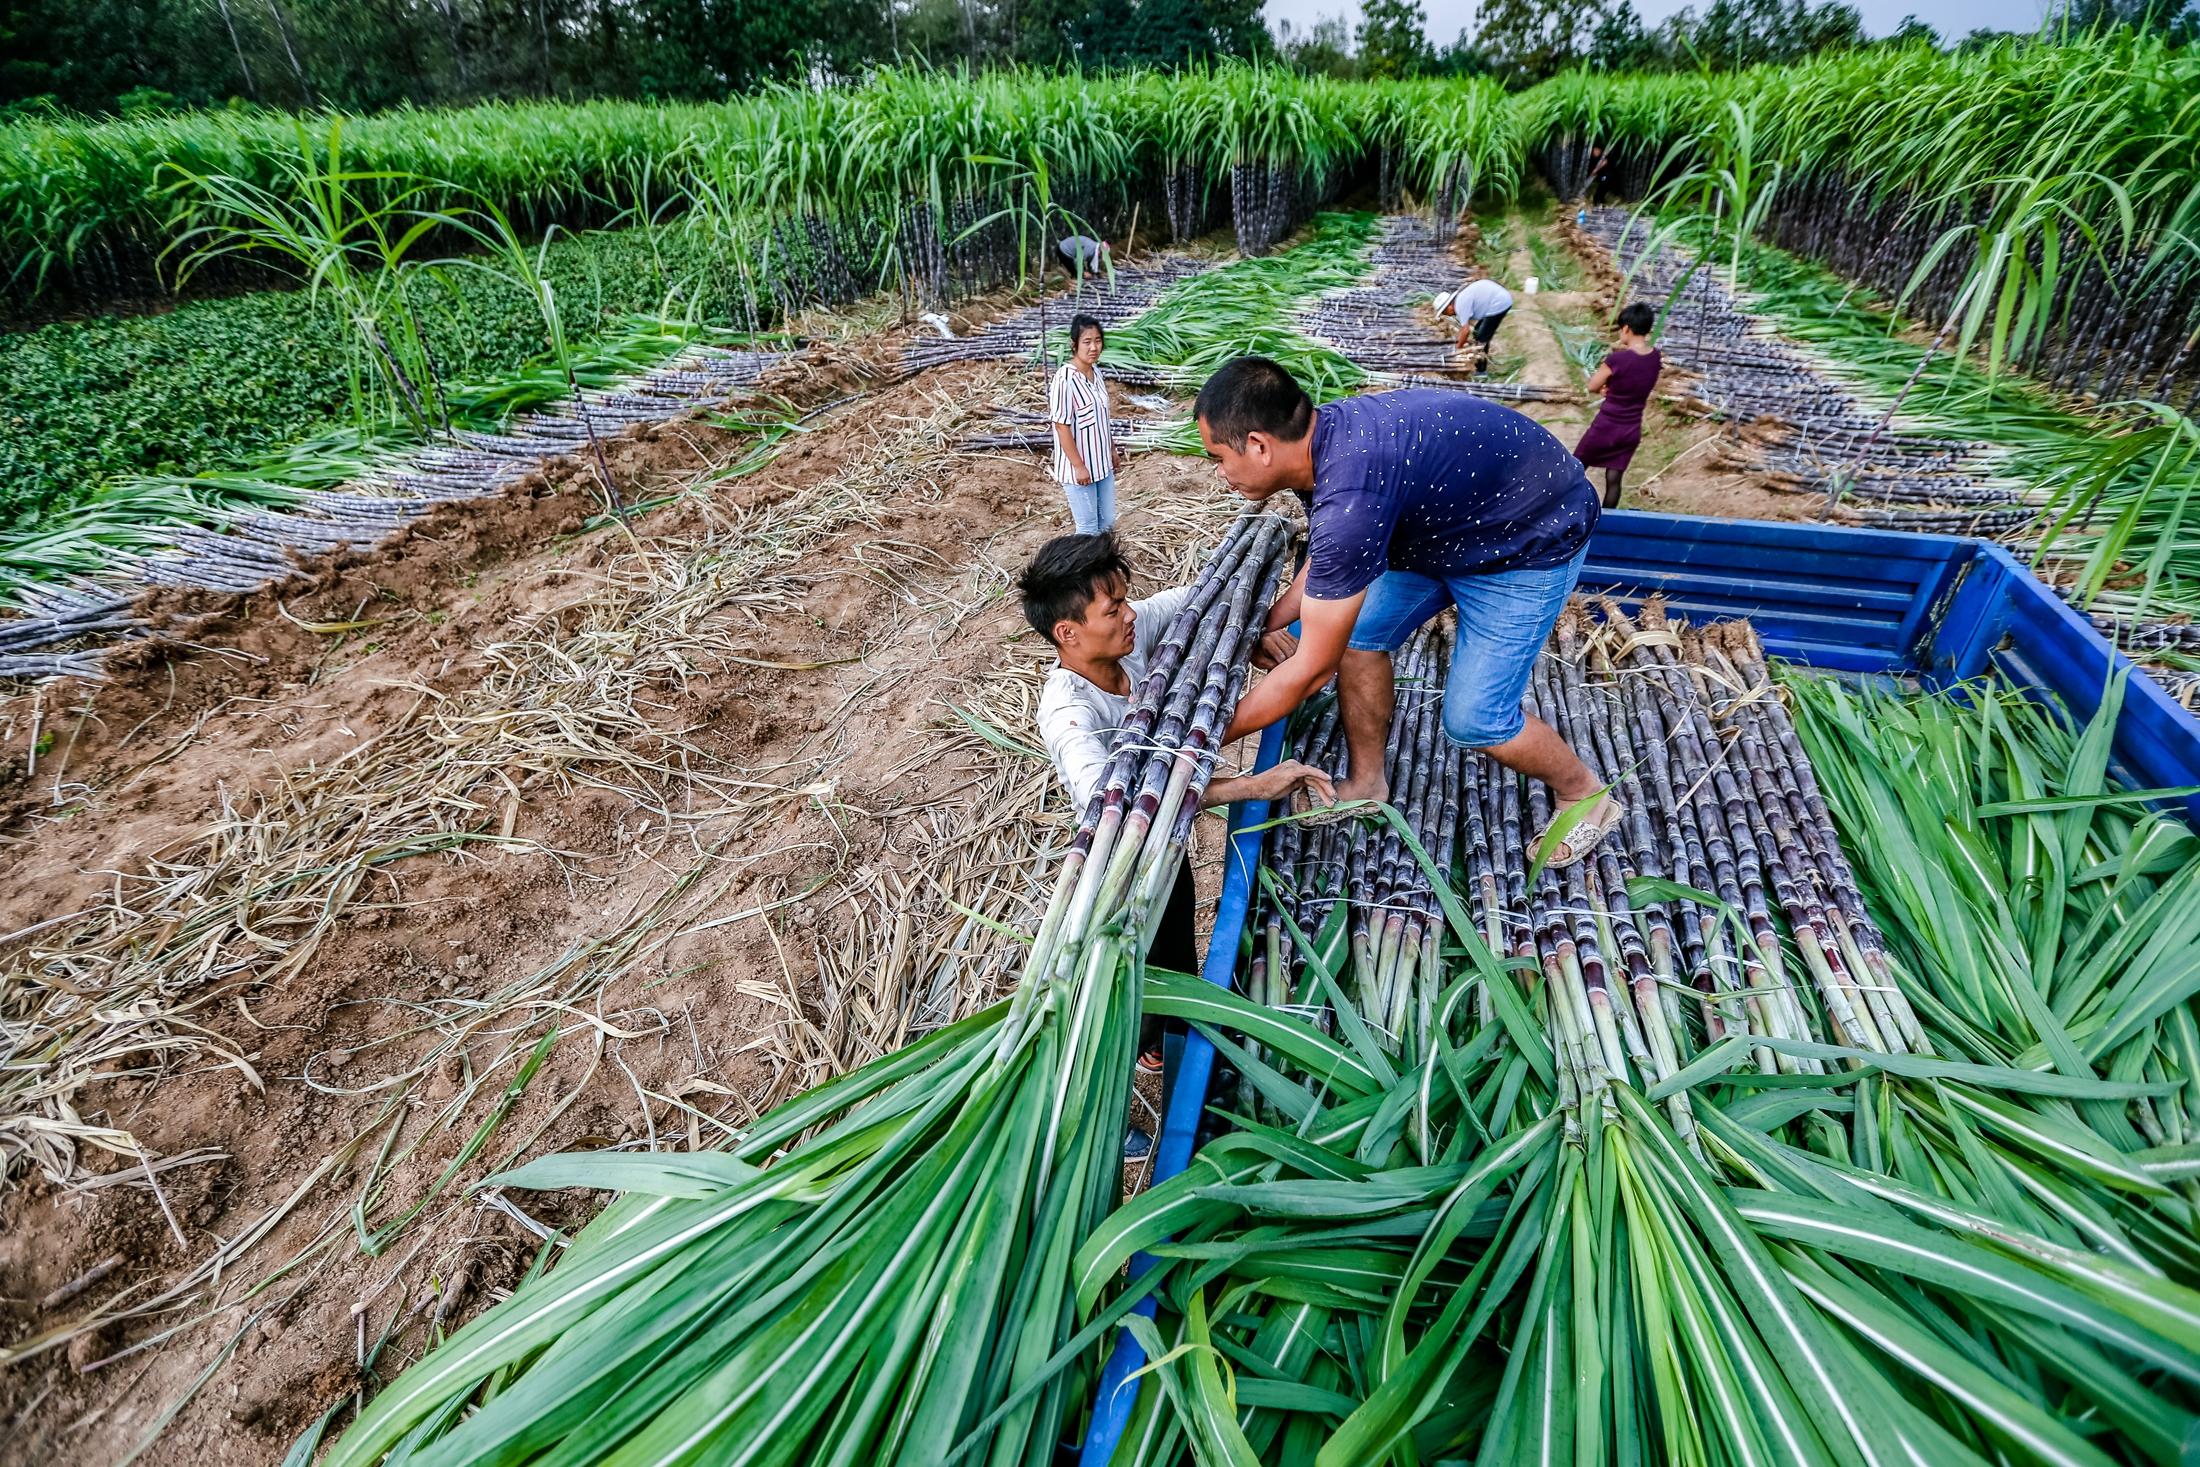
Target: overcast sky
1446,18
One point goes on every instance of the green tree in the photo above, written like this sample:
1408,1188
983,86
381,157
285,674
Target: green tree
1620,42
1528,40
1322,49
1394,38
1911,31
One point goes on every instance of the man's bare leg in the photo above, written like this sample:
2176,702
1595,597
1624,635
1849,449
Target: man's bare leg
1538,752
1367,695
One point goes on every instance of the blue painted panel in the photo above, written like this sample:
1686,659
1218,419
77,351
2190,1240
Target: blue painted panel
1854,599
2046,645
1117,1392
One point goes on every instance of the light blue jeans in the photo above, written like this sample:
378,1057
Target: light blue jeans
1504,619
1092,506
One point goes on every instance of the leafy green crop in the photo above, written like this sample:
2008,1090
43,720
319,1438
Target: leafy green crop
216,382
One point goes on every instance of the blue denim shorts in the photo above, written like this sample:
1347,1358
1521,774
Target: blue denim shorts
1505,617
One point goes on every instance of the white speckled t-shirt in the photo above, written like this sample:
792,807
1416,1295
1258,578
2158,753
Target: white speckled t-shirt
1439,482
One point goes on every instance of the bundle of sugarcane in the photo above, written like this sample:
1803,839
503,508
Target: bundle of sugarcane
1722,823
1387,933
1839,1246
879,1270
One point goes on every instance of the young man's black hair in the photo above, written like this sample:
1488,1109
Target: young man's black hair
1254,395
1082,322
1059,583
1638,318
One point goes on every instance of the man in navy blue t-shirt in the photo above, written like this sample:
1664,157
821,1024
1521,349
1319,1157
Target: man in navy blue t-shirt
1417,500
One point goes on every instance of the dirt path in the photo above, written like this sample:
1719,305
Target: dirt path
526,836
1678,469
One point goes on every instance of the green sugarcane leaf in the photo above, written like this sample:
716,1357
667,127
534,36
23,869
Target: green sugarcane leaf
1752,1411
1372,1195
2036,1434
2175,1163
2066,1145
1813,1371
1292,1395
1967,1268
2057,803
1322,1058
692,1174
1729,1053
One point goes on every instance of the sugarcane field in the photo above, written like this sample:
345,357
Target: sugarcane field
917,739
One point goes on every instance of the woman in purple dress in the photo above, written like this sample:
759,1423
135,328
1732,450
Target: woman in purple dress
1627,378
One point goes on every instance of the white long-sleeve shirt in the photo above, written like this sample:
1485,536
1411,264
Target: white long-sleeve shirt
1079,719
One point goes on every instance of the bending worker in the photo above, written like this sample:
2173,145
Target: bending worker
1480,307
1416,500
1086,256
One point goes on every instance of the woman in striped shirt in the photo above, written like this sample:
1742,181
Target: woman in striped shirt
1085,458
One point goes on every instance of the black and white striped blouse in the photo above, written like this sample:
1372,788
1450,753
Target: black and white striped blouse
1081,404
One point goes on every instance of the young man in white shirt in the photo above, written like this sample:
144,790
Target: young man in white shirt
1076,594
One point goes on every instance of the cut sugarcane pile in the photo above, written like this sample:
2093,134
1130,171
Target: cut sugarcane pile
879,1270
1569,1167
1719,800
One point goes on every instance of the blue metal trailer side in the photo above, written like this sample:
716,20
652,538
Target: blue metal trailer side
1939,608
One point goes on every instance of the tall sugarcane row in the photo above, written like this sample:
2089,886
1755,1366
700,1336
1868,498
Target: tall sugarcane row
2121,326
1806,430
893,1284
1720,802
1269,199
253,548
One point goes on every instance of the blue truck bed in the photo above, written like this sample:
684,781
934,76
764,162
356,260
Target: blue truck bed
1936,608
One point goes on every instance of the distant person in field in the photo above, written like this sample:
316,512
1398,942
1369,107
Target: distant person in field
1594,185
1085,455
1479,307
1416,500
1626,380
1087,256
1076,593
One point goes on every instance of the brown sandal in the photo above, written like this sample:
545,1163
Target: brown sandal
1587,834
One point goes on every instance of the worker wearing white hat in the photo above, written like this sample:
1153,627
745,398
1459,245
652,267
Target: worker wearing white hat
1480,307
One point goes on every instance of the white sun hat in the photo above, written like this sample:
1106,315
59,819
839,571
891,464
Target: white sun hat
1441,301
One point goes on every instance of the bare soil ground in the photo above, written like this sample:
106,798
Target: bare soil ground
634,833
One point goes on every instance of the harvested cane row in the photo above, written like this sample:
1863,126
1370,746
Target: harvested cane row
1016,336
67,626
1820,436
1378,326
